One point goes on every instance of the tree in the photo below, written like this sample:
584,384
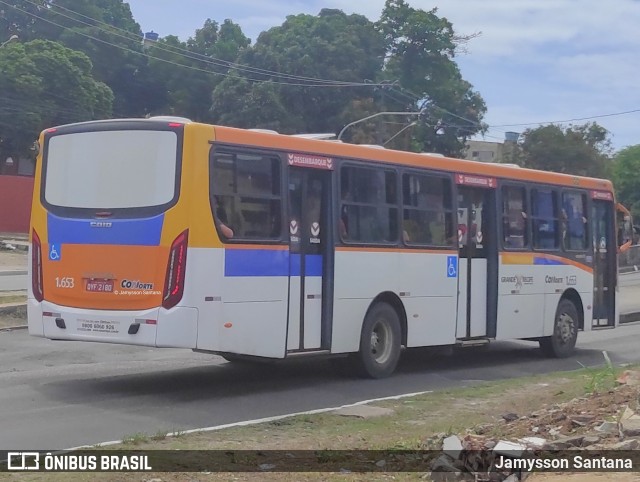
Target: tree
331,46
44,84
189,71
421,48
626,178
581,150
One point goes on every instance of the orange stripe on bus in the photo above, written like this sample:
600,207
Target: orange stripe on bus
529,259
394,249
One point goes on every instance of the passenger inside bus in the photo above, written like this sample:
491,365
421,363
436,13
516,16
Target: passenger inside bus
221,218
574,225
343,221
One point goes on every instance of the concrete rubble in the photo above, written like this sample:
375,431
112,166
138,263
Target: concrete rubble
599,422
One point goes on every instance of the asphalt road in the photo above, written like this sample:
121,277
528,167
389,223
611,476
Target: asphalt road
13,280
57,395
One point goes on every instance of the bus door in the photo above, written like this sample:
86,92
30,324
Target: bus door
604,260
477,256
309,258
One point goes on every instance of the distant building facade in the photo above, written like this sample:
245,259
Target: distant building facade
485,151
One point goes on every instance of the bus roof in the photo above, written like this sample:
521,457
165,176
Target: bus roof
242,137
321,146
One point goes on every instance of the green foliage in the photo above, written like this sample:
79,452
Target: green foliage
581,150
187,91
626,178
331,45
135,439
42,84
420,50
600,379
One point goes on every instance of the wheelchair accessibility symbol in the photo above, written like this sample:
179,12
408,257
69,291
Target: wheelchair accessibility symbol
54,252
452,266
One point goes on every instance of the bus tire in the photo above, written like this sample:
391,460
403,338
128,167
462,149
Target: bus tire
565,332
379,342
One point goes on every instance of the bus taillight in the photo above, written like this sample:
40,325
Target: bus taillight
176,267
36,266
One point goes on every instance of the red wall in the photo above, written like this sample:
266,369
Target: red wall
15,203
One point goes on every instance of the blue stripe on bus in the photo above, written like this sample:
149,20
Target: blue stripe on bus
133,232
313,265
268,262
547,261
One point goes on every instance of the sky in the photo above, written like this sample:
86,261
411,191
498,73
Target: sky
534,62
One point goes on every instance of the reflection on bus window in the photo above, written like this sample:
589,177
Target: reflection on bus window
427,217
368,208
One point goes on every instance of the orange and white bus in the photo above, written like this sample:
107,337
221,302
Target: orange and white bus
168,233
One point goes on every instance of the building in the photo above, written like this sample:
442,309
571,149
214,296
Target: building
485,151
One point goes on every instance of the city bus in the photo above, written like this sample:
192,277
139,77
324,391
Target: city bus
255,246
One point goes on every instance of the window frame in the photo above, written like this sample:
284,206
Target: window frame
234,150
555,191
528,225
371,166
108,126
443,176
585,213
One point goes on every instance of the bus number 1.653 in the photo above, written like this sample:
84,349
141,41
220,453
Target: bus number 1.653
66,282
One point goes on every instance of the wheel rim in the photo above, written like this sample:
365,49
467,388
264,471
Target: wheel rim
381,339
565,327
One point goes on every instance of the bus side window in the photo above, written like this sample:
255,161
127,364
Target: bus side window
368,207
574,233
246,194
427,214
514,217
545,219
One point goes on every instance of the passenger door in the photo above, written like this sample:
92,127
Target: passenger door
477,254
310,249
604,260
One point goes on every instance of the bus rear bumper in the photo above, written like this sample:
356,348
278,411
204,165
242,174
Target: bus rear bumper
157,327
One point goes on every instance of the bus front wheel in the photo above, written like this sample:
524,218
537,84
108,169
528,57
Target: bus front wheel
565,332
379,342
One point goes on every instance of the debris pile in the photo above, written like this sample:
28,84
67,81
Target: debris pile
599,422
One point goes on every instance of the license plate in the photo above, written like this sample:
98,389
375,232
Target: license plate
102,285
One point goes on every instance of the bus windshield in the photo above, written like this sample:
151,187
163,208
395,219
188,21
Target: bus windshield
111,169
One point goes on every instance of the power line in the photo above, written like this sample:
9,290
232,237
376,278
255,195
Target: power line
570,120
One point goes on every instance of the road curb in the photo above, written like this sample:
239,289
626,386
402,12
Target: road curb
629,317
14,328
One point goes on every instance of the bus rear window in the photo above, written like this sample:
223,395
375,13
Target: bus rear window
111,169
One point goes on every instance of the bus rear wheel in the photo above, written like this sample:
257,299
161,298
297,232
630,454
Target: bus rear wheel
565,332
379,342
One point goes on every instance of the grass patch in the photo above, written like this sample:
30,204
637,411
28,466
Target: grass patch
4,299
137,438
601,379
